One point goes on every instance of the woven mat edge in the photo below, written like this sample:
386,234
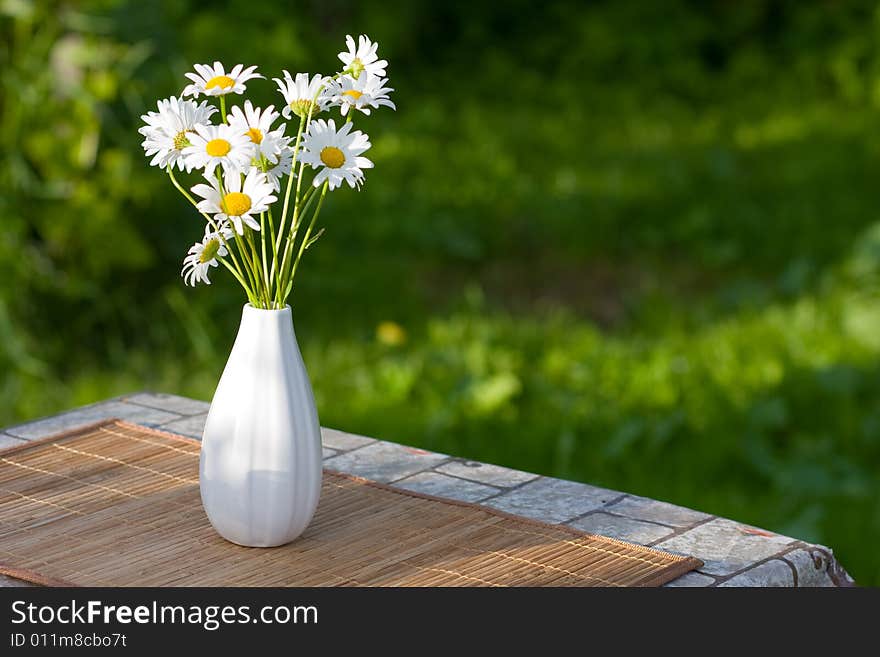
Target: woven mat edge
678,564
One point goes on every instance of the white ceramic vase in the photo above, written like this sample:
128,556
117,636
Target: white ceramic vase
260,464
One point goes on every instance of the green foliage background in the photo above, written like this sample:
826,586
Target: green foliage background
634,244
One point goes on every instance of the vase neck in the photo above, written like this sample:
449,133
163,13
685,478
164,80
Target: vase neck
262,320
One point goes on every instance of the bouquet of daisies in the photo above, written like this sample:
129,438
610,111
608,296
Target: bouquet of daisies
246,161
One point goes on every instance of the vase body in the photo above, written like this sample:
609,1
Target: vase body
260,462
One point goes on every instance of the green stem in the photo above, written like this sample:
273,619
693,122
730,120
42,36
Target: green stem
306,199
290,177
275,263
305,240
223,107
296,220
245,255
272,236
291,239
264,166
255,259
263,245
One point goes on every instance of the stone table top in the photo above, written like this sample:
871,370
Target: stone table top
733,554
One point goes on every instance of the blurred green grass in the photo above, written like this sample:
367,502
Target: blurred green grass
630,246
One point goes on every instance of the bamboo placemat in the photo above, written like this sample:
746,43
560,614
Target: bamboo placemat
116,504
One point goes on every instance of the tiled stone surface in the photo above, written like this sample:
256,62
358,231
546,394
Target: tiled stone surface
170,403
11,582
553,500
643,508
47,426
773,573
626,529
343,441
192,426
691,579
493,475
441,485
739,555
812,569
8,441
384,462
726,546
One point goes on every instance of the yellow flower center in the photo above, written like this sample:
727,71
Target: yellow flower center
255,134
210,251
218,147
302,107
181,141
222,81
354,93
236,203
332,157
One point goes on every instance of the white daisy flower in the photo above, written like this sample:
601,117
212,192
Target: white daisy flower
203,255
214,81
337,152
280,167
168,131
362,58
211,145
300,92
256,125
238,201
360,93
